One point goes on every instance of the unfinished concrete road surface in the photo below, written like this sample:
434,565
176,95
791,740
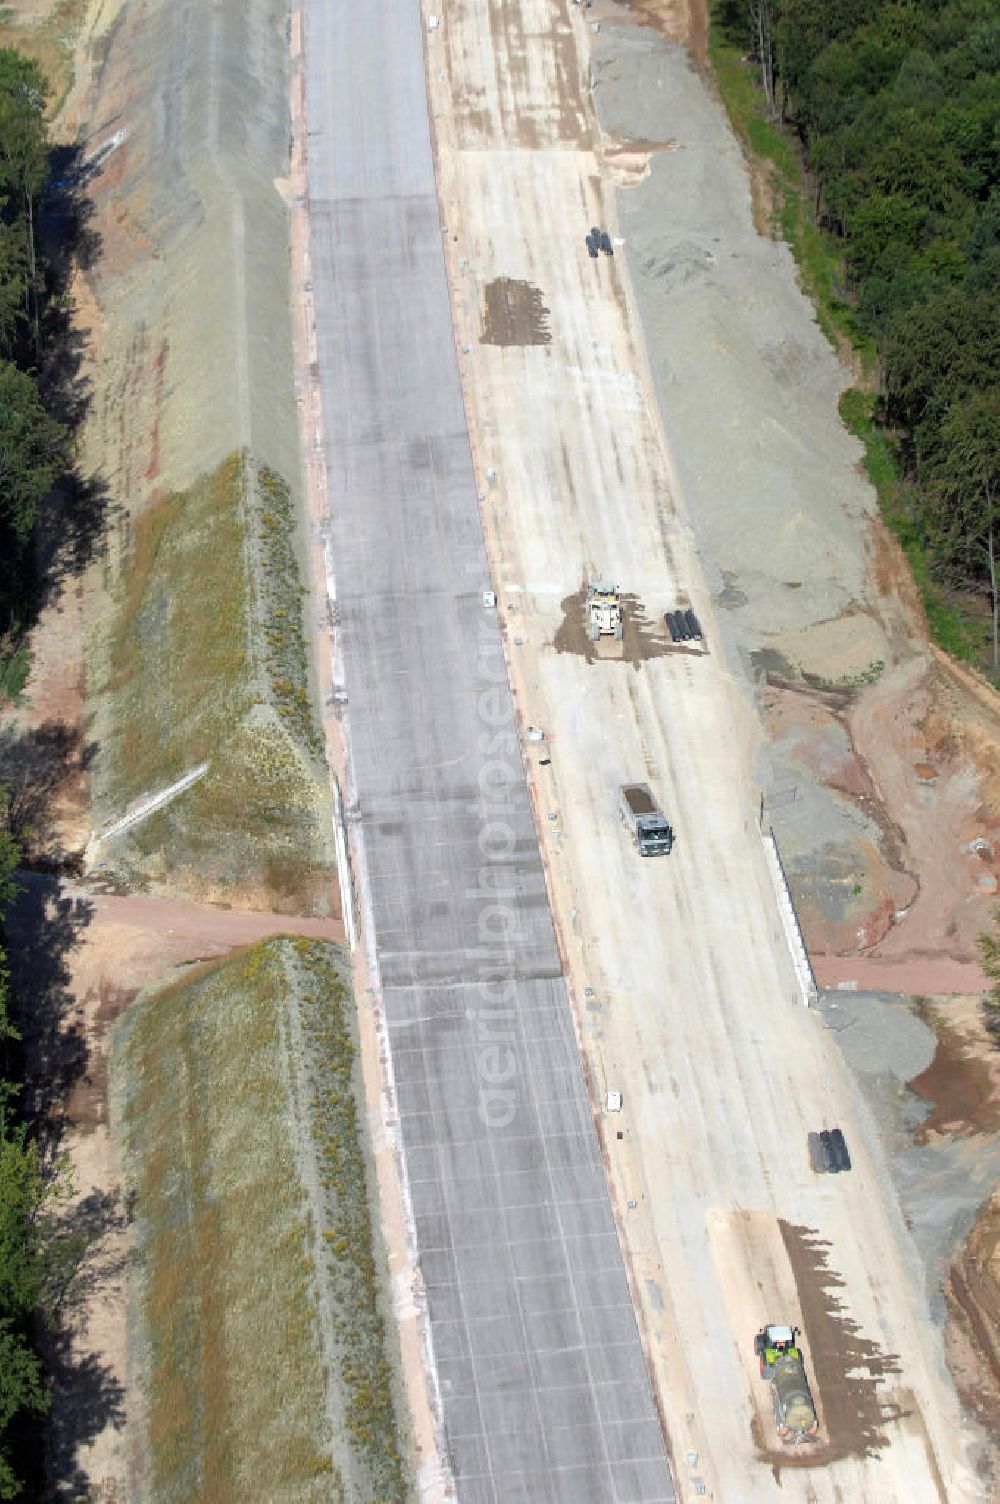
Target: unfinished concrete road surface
544,1390
695,1014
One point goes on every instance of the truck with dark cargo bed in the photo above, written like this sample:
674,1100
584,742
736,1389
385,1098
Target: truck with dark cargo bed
648,826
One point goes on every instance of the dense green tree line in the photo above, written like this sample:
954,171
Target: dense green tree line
23,1195
31,442
897,103
33,1251
43,1246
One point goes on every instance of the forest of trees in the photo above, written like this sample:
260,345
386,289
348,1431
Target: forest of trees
32,443
22,1199
32,455
897,105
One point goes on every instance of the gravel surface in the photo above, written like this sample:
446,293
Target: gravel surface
941,1184
746,381
879,1034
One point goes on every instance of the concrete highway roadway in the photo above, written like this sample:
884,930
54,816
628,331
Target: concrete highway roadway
544,1389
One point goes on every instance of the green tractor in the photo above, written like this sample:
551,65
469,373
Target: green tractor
782,1366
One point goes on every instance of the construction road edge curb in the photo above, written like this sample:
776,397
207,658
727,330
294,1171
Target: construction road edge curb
804,974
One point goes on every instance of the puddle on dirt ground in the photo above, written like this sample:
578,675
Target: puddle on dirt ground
514,314
774,667
730,597
849,1370
642,638
959,1088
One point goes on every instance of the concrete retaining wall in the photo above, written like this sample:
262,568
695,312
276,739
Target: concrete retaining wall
790,921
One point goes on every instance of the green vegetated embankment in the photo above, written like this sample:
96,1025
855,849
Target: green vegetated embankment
258,1347
206,662
893,112
196,647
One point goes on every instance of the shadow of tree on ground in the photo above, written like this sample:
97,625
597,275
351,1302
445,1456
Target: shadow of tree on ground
45,924
36,765
87,1256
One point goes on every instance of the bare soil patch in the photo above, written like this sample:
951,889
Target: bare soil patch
850,1368
846,651
962,1082
962,1087
514,110
514,313
205,930
960,1090
642,637
973,1291
893,579
851,877
683,21
915,976
926,718
87,1103
915,753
